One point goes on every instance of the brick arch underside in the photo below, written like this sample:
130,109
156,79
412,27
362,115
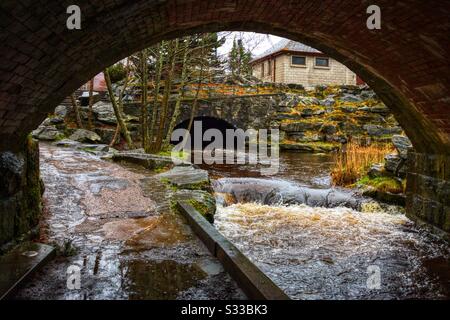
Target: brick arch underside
406,62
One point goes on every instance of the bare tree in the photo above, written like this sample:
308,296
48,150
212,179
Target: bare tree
76,110
173,48
144,110
118,106
180,94
157,84
91,102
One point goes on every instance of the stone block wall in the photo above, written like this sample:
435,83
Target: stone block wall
309,75
277,72
428,190
20,191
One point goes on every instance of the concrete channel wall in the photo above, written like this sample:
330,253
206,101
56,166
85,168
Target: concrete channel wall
255,284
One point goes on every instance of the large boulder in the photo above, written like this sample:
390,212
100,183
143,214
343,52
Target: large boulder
302,137
300,126
395,164
47,133
104,112
187,177
328,128
376,170
288,116
351,98
377,109
349,108
309,147
62,111
402,144
83,135
327,102
274,192
148,161
377,131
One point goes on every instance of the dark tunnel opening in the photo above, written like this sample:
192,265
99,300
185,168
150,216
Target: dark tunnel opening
200,126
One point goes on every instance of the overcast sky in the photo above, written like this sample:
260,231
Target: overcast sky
256,42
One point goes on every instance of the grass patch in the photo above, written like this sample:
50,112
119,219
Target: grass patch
352,163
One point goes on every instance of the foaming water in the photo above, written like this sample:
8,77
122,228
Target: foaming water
318,242
322,253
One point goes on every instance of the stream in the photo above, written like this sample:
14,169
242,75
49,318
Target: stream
113,222
317,242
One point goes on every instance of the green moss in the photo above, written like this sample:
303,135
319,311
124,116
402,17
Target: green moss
180,155
382,184
309,147
203,209
60,137
161,169
173,206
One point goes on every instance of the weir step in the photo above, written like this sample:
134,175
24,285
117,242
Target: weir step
255,284
17,265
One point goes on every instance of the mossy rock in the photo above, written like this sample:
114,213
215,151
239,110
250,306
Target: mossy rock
386,197
203,201
383,184
148,161
187,177
309,147
386,189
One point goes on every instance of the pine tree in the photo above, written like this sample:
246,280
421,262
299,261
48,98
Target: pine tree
239,59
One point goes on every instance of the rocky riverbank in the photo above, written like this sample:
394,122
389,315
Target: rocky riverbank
318,120
315,121
185,181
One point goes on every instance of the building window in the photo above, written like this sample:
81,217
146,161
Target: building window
262,69
269,71
298,61
322,62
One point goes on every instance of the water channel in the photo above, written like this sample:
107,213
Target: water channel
129,245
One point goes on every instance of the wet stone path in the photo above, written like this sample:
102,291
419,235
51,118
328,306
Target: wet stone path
114,224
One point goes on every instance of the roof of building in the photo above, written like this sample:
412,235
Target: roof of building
286,45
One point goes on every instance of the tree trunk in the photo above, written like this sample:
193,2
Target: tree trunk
195,102
159,67
76,110
144,111
116,134
91,102
167,89
177,110
118,111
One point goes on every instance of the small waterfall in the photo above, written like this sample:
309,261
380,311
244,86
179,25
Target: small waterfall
282,192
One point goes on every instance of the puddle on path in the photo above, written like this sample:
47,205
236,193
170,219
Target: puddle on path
128,243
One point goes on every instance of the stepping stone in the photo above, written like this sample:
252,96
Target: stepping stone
17,265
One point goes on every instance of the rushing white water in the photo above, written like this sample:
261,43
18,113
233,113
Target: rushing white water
322,253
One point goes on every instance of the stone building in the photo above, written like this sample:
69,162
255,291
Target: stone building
293,62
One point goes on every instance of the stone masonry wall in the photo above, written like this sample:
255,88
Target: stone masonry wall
309,75
428,190
20,191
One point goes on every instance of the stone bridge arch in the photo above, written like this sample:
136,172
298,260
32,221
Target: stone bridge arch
250,112
406,62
